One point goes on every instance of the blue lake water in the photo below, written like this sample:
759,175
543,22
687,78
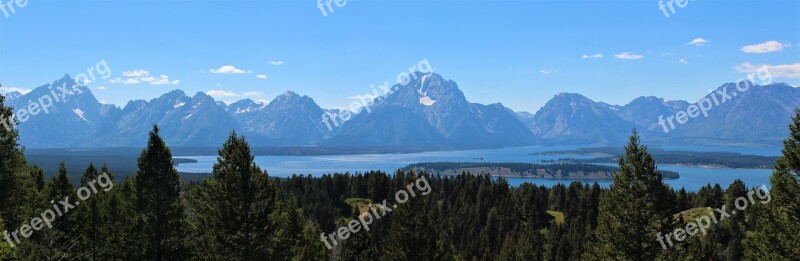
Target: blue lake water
692,178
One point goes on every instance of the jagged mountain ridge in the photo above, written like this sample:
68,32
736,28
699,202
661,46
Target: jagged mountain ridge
427,111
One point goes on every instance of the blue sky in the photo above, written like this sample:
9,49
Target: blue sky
519,53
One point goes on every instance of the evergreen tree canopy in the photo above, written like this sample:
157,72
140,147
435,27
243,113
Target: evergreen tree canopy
777,231
161,210
636,207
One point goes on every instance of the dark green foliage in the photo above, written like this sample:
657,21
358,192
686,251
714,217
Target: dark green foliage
410,235
14,187
634,210
232,207
777,233
161,222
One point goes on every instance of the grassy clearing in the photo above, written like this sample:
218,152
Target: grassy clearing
558,215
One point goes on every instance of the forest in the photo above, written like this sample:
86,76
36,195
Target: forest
241,213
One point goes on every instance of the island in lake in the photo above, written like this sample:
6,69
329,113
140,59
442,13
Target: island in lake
731,160
527,170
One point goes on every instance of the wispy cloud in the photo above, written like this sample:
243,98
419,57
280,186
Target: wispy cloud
161,80
276,62
143,76
125,81
780,70
765,47
253,93
683,61
136,73
221,93
102,88
698,42
261,76
592,56
547,72
228,69
14,89
628,56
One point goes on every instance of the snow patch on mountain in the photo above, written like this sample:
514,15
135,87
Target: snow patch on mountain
424,100
427,101
79,112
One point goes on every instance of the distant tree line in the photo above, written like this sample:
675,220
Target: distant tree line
520,168
690,158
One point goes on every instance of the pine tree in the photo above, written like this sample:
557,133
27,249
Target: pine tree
60,240
13,187
288,230
158,189
410,233
776,235
636,207
735,226
233,208
311,248
122,234
118,222
90,217
360,245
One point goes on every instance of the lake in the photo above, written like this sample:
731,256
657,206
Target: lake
692,178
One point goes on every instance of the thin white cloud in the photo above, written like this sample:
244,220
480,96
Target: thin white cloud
136,73
592,56
163,80
14,89
683,61
228,69
765,47
698,42
102,88
546,72
143,76
261,76
628,56
131,81
222,93
252,93
276,62
780,70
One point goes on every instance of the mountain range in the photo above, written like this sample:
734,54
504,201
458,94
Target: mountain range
429,111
